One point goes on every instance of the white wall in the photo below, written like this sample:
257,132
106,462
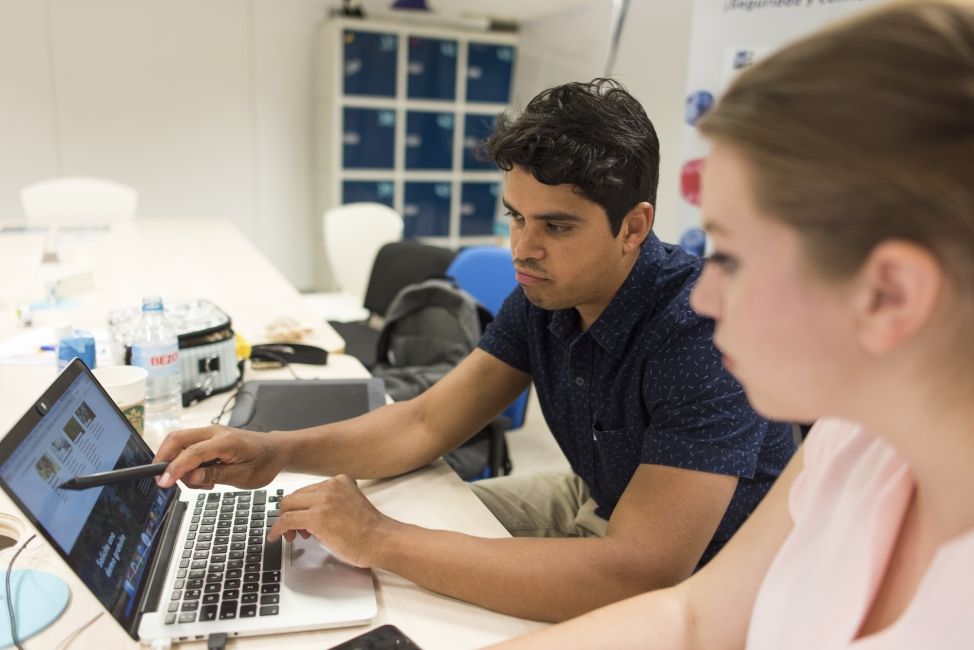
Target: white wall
204,107
651,61
569,45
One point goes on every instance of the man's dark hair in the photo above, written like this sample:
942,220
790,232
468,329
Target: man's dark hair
595,136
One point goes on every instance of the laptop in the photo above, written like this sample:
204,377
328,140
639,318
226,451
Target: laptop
167,563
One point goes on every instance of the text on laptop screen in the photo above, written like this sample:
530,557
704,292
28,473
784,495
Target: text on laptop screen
106,533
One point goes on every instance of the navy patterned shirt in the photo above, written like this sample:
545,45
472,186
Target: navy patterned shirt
644,384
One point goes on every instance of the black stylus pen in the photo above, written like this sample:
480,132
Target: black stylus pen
114,476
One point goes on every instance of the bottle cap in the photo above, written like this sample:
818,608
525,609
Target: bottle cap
152,303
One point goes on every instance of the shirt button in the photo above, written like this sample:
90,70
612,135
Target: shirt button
579,381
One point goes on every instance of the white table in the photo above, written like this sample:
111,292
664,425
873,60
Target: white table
124,259
177,259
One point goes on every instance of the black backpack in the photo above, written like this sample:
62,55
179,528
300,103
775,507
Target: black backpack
429,328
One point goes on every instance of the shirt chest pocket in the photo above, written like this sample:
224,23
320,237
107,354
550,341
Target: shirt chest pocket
616,454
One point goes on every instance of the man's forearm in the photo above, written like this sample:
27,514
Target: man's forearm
401,437
540,579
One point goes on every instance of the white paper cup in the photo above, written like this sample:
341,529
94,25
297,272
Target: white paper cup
126,386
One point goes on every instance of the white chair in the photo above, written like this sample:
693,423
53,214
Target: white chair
353,234
77,201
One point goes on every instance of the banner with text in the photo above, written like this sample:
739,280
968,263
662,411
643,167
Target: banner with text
725,37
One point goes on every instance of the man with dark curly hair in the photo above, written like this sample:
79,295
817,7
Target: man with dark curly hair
667,458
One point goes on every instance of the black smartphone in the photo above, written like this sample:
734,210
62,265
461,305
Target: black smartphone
381,638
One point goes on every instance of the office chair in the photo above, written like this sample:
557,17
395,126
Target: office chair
487,274
77,201
353,235
397,264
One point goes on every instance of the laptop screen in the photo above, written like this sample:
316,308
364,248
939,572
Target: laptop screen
106,534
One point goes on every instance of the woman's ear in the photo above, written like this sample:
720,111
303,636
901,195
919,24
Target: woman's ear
900,284
637,225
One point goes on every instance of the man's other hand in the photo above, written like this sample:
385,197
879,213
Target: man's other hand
338,515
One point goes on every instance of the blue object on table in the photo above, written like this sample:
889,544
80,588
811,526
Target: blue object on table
694,241
79,344
39,598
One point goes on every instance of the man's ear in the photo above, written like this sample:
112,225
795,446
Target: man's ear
900,284
637,225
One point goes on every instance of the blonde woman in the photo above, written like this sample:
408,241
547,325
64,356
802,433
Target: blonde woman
840,197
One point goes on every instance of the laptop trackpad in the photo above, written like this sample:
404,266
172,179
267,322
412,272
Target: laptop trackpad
309,554
313,566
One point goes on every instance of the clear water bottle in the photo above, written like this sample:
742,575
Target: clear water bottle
156,349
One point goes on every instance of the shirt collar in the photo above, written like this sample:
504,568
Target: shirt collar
612,328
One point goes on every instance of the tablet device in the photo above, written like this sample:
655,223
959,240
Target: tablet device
301,403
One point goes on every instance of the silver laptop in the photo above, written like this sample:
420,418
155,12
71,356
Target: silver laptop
171,563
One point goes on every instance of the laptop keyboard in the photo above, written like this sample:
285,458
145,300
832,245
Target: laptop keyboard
227,568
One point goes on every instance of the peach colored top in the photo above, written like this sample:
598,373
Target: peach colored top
847,506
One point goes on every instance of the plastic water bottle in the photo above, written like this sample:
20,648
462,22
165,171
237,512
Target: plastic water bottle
156,348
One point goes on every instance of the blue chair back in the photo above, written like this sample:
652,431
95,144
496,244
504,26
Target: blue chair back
487,274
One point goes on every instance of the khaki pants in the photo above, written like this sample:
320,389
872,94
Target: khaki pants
545,504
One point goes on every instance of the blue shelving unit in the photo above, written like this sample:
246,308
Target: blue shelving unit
426,211
369,191
429,140
368,138
401,111
478,208
476,128
490,69
369,63
432,68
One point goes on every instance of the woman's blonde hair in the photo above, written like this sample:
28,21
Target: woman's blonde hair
864,132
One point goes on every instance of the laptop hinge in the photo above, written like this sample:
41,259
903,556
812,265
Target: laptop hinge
156,575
